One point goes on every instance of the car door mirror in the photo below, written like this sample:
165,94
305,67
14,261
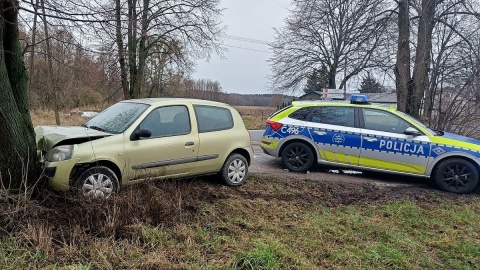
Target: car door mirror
412,131
142,133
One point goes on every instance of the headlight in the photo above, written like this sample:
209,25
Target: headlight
59,153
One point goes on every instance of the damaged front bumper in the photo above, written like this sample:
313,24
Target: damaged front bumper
59,173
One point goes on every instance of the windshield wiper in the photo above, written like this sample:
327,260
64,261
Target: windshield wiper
97,128
84,125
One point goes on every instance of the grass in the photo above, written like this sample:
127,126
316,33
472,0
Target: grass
270,223
255,117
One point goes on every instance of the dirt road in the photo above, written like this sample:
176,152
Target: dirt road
265,164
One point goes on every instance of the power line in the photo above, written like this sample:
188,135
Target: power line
251,40
248,49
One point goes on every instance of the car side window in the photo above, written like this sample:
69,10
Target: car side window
340,116
384,121
167,121
300,114
210,118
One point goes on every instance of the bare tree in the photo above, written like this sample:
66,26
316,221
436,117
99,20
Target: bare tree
167,28
341,37
17,146
413,87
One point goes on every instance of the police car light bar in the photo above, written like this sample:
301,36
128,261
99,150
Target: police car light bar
359,99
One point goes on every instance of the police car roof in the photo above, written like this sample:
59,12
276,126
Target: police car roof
307,103
336,103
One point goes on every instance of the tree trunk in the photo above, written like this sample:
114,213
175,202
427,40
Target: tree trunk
423,56
53,88
132,45
32,48
402,66
17,144
142,52
121,50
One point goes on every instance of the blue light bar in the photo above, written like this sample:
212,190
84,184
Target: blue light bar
358,99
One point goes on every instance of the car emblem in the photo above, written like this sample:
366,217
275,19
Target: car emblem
438,151
338,138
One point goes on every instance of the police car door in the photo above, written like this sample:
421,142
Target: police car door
386,147
333,130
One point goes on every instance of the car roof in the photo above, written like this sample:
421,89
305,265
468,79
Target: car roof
343,103
168,101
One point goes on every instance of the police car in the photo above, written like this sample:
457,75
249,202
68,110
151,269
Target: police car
364,136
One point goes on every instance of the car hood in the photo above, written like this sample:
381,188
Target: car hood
48,137
457,137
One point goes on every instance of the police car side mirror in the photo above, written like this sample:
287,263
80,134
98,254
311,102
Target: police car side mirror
412,131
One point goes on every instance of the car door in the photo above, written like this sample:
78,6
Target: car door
172,148
215,135
335,134
386,147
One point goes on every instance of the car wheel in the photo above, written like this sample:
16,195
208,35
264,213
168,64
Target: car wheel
97,182
297,157
456,175
235,170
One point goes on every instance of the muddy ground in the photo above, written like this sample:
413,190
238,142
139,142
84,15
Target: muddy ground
346,187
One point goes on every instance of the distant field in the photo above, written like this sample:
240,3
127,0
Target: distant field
253,117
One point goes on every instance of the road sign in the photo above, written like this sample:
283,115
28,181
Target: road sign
333,93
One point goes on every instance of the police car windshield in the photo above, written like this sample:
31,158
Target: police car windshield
420,123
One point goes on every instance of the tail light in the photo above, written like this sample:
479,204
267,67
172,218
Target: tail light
274,125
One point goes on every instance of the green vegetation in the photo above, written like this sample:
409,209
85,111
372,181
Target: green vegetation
270,223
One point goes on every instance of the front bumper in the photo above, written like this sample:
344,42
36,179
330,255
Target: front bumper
59,173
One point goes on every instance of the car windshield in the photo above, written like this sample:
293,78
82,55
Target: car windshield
418,122
117,118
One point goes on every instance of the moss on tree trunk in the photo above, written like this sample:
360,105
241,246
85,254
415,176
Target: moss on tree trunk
17,137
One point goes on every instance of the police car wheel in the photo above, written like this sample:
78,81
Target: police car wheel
297,157
456,175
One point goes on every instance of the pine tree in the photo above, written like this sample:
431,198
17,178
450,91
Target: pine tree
370,85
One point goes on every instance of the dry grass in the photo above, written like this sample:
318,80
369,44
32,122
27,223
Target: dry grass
47,117
269,223
255,117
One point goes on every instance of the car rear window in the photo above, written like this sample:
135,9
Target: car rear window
281,110
211,118
300,114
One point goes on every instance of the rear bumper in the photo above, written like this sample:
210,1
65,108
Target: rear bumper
269,147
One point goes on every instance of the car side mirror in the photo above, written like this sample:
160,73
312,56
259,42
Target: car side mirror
412,131
142,133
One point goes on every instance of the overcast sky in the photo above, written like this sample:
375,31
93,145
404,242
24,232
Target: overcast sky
244,68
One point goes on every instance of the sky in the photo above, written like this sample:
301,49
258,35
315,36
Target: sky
244,68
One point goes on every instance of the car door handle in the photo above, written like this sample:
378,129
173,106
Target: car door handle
189,143
370,139
320,133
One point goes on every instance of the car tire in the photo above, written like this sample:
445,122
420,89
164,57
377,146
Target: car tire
297,157
234,171
456,175
97,182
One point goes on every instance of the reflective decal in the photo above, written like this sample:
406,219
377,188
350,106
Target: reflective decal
438,151
405,147
292,129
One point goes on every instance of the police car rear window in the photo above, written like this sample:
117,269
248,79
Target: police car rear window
300,114
281,110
